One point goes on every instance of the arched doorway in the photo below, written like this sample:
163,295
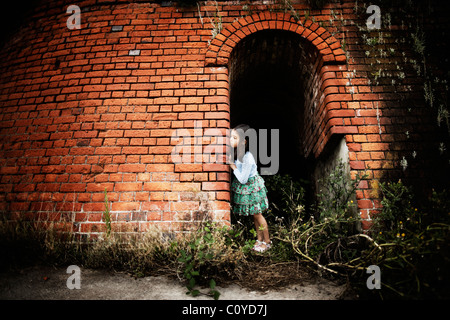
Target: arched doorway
266,79
287,75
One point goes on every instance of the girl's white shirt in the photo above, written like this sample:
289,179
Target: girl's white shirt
245,169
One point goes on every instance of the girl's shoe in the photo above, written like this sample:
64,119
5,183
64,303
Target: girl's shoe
257,245
264,248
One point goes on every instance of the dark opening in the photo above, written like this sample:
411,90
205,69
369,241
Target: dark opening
267,92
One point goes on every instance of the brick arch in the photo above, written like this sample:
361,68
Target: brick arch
328,105
222,45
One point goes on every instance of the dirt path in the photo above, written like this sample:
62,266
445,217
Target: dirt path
47,283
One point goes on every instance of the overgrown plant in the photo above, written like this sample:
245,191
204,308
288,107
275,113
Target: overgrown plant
336,193
107,216
414,243
216,21
201,258
396,71
325,235
195,256
25,242
409,243
211,251
287,6
287,196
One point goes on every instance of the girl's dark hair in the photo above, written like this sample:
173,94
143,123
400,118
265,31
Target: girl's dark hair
241,129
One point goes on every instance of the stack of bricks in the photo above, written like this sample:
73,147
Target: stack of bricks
97,108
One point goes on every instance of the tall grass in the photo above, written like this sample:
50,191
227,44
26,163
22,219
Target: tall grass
212,252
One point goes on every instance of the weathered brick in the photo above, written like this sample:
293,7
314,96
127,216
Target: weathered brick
99,111
128,186
215,186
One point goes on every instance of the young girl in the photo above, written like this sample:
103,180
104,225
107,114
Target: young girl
249,194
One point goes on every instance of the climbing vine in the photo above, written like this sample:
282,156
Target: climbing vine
402,27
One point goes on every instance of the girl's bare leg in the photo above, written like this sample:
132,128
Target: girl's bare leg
262,229
259,234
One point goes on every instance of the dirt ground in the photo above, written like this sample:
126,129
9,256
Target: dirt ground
49,283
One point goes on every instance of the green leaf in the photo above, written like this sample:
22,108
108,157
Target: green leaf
212,284
208,237
195,273
216,294
191,283
195,293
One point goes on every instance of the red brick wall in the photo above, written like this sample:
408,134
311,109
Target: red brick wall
90,109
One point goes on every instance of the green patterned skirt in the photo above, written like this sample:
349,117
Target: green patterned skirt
250,198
